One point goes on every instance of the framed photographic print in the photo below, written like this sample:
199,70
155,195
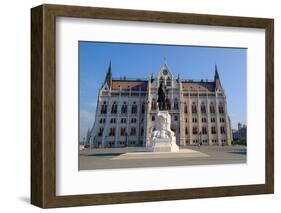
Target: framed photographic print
136,106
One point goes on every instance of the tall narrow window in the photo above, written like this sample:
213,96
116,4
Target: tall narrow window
169,82
103,108
100,133
222,130
204,130
194,130
133,131
114,108
176,104
221,109
222,120
143,108
185,108
123,132
133,120
123,120
186,130
194,109
113,120
112,132
212,108
124,108
161,80
153,104
134,108
203,108
213,130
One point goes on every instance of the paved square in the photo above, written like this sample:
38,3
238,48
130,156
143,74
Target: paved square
133,157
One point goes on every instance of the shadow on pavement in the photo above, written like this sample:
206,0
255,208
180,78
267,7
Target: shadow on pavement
239,152
104,154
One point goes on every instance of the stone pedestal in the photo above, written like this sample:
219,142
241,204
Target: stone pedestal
163,138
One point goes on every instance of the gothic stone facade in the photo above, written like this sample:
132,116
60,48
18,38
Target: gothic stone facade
126,110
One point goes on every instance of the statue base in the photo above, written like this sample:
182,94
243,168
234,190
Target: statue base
163,145
163,138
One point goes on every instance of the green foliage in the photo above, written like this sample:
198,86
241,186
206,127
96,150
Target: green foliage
239,142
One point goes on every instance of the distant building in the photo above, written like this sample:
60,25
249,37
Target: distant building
241,133
126,110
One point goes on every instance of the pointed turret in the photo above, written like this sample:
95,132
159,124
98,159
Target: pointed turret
108,77
217,78
216,73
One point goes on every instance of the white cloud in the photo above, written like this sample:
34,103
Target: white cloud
86,121
93,104
85,114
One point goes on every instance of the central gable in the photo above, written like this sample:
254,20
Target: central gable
165,76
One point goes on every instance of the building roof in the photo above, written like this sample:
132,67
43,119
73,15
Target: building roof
141,84
201,86
129,85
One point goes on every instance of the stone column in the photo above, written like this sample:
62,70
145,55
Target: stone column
147,115
190,125
228,130
181,116
217,119
199,117
107,120
208,121
117,132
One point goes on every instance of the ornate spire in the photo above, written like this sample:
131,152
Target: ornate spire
108,77
217,78
216,72
109,68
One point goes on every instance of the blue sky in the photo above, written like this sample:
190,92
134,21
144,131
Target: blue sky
139,60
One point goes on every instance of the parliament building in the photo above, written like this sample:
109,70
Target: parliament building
126,110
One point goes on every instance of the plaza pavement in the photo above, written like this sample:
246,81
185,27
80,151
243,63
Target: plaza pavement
133,157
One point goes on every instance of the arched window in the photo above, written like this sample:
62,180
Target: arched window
169,82
100,133
176,104
133,120
204,130
103,108
114,108
203,107
212,108
123,132
194,130
112,132
124,108
213,130
222,130
221,108
153,104
134,108
133,131
194,109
